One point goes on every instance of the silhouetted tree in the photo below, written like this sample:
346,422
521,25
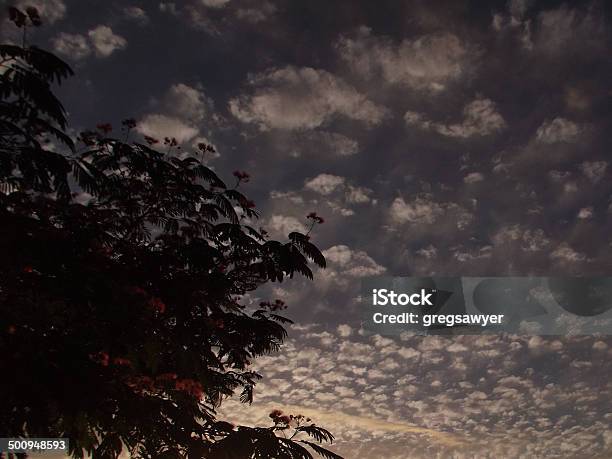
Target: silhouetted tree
121,272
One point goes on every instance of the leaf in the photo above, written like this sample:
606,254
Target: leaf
296,451
280,319
318,433
247,394
327,454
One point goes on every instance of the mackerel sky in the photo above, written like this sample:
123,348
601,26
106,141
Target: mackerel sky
435,138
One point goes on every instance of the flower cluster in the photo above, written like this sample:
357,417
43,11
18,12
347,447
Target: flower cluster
315,218
129,123
206,148
20,19
138,290
141,384
157,305
166,377
242,176
284,421
280,418
247,203
122,362
190,386
101,358
105,128
150,140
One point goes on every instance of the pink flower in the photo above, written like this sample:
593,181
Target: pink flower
122,362
105,127
158,305
315,218
129,123
100,357
150,140
167,377
242,176
191,387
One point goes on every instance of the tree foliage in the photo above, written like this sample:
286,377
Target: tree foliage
121,275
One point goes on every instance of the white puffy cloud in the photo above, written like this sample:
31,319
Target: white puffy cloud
428,252
159,126
534,240
282,225
100,40
180,113
136,14
473,177
558,130
419,210
105,42
74,46
423,209
585,213
300,98
324,184
600,346
462,254
186,102
344,261
327,192
358,195
428,62
337,208
530,240
339,255
565,253
594,170
290,196
344,330
456,347
480,118
559,176
494,396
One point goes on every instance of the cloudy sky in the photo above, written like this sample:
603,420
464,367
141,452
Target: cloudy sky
448,138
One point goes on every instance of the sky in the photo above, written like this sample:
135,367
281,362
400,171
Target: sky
457,138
